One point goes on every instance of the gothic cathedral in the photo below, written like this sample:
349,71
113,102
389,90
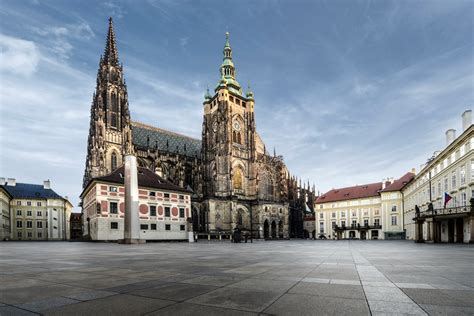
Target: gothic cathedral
234,181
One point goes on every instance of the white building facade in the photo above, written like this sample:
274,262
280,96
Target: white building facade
448,172
35,211
369,211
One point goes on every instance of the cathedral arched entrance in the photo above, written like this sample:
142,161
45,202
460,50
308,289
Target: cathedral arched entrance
242,218
274,230
266,229
195,219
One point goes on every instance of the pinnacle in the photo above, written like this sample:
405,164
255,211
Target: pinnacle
111,52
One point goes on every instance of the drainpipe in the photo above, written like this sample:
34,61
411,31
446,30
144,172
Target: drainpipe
403,213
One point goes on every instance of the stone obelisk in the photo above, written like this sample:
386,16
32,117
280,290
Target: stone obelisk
131,220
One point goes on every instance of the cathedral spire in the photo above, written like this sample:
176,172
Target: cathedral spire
249,92
111,52
227,69
207,96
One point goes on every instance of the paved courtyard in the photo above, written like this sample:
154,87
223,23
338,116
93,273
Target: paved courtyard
220,278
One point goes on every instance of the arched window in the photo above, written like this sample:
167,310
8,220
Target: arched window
114,109
239,219
113,120
114,102
265,186
237,179
113,162
238,138
234,136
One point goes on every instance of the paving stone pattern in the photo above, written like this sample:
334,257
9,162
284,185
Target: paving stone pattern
298,277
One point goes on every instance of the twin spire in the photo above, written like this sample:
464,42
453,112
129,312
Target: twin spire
111,52
227,68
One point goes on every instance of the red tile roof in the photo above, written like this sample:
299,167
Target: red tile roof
146,178
349,193
399,184
365,190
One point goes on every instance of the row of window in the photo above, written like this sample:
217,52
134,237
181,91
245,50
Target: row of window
150,193
29,213
237,101
114,225
459,199
113,209
394,221
354,213
29,234
29,224
28,203
449,182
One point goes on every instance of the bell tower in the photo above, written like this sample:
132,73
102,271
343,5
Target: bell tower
110,131
228,136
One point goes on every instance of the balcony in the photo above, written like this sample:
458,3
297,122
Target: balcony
358,227
440,212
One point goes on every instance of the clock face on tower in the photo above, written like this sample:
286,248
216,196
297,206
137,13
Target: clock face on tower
236,126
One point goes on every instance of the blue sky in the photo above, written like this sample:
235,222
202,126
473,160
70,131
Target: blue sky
349,92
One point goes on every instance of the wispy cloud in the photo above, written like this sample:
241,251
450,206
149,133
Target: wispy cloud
114,9
58,38
183,41
18,56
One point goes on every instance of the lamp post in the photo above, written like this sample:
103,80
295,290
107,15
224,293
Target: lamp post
251,225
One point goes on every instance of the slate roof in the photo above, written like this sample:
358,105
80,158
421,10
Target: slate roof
33,191
399,184
146,178
165,140
349,193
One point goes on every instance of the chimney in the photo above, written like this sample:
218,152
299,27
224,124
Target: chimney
383,183
450,136
2,181
47,184
391,180
11,182
466,119
413,170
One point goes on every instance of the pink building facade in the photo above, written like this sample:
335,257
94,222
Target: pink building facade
164,208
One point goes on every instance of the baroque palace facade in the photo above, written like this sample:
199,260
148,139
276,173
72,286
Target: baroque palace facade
434,205
233,179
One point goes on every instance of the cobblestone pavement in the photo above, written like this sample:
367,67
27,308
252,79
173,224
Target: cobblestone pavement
299,277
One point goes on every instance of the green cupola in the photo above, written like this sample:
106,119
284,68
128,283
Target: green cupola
228,70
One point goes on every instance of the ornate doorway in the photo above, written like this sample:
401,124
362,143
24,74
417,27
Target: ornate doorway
266,230
274,230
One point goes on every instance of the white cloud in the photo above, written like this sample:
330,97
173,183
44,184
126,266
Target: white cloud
18,56
114,10
44,116
58,39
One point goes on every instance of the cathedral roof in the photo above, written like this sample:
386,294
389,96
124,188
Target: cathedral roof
33,191
146,136
146,179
